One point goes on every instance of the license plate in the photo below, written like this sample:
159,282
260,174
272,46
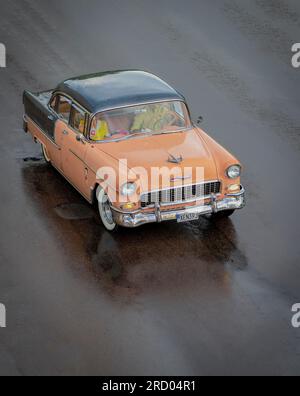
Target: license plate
187,217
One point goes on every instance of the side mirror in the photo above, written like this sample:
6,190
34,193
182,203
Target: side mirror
80,138
200,120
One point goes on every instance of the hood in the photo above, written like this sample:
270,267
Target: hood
154,151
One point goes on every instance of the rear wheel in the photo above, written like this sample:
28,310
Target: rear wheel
105,211
45,155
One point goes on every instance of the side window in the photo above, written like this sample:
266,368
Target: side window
63,108
77,119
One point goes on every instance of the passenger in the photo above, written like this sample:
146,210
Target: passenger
153,118
119,124
81,126
99,130
110,126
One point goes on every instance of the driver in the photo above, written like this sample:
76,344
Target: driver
152,118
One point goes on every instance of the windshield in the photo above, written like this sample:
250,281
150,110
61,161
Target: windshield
158,118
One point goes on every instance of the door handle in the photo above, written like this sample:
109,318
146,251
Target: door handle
65,133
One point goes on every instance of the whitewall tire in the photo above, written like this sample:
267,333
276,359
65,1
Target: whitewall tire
105,211
45,155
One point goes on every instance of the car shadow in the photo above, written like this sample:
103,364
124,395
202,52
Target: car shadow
132,261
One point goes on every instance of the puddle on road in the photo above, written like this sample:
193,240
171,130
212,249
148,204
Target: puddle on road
166,257
74,212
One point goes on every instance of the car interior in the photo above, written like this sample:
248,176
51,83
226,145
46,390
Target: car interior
148,118
64,108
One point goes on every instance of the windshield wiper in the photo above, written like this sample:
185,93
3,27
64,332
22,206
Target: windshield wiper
135,134
170,132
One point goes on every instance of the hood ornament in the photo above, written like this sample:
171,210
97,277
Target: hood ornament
175,160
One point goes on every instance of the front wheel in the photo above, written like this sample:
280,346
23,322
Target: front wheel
105,211
223,214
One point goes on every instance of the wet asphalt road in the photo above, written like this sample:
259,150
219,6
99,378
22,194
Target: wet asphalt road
192,299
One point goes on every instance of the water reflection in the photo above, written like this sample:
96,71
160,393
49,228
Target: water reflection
163,256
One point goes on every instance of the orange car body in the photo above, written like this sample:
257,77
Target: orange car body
78,158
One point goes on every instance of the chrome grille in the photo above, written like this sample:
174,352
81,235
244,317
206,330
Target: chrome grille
180,194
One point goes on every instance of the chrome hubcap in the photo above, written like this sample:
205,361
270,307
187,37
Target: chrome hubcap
107,211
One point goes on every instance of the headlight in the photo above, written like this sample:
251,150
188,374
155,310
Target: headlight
128,189
234,171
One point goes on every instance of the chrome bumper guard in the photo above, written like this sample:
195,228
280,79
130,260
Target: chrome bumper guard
140,217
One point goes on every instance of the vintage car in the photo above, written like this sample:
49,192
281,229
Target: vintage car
132,122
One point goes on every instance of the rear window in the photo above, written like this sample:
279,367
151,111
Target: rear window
64,108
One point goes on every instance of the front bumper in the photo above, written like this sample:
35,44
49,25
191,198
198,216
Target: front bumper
140,217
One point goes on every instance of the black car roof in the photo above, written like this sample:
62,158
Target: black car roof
108,90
